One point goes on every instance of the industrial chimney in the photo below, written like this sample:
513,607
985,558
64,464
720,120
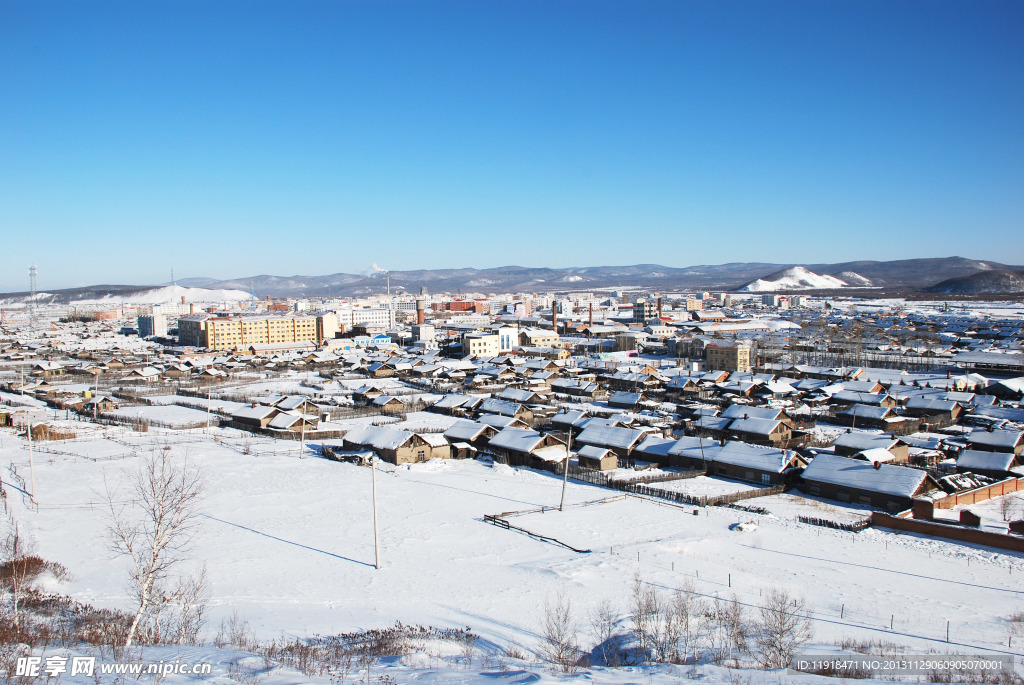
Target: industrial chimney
591,314
554,316
659,307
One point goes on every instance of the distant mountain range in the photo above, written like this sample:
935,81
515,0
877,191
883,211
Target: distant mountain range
997,281
906,274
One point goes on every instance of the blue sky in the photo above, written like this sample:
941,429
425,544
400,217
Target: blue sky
229,139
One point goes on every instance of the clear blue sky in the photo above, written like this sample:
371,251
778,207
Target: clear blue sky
229,139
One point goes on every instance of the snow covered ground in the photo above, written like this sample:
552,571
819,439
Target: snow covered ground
288,544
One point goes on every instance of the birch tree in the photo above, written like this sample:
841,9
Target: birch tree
152,518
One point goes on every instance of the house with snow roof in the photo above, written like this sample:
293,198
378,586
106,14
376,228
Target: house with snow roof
398,446
996,465
521,446
852,442
997,441
873,484
619,439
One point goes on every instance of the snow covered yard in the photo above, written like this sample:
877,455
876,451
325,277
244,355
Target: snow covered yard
790,506
703,485
288,544
172,415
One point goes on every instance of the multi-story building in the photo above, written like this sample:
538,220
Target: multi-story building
153,325
239,332
481,344
644,310
694,304
728,356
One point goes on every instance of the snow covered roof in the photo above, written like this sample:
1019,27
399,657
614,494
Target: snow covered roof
434,439
517,395
292,402
655,445
876,454
860,441
887,479
610,436
985,461
286,420
378,437
259,412
1002,439
465,430
738,411
493,405
863,411
517,440
496,420
569,418
755,426
594,452
451,401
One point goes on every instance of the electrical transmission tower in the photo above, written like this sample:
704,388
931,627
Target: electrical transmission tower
32,272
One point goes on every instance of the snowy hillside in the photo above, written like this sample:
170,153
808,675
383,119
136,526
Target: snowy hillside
794,278
853,278
172,293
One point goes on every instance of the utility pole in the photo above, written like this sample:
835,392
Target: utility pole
376,535
31,464
208,411
565,475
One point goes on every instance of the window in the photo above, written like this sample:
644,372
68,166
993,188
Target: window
766,478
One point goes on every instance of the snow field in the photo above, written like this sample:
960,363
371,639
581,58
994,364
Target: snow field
288,545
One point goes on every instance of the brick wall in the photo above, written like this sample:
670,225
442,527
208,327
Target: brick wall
981,494
950,532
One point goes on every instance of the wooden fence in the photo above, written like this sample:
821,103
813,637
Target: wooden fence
855,527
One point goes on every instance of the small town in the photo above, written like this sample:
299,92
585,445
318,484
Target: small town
574,342
635,411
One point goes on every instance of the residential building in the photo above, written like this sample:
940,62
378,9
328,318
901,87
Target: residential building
728,357
241,332
481,344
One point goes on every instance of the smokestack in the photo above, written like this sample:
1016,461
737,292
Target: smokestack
420,313
183,299
591,314
659,307
191,308
554,316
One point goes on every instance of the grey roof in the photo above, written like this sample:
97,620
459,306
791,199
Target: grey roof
985,461
738,411
860,441
887,479
495,406
1000,439
610,436
754,426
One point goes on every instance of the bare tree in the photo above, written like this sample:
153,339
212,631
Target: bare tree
603,619
193,599
692,613
646,611
559,629
154,528
784,626
729,630
15,573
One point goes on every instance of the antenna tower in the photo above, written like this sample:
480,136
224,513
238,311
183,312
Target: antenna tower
32,273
